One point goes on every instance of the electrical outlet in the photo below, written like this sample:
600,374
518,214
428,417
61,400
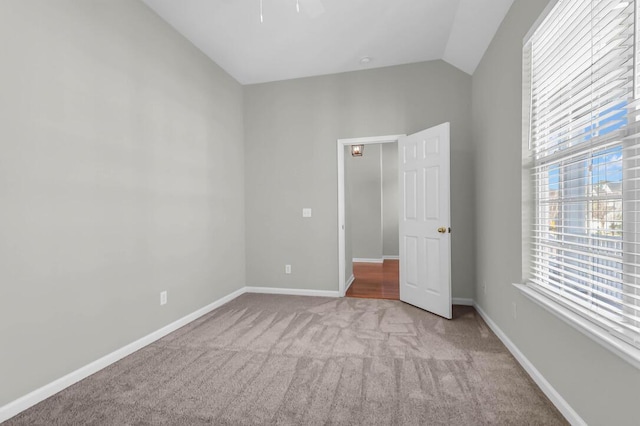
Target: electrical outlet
484,288
163,298
515,310
287,269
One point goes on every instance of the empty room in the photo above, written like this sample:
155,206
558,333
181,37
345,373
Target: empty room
330,212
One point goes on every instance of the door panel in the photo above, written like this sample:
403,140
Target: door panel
432,185
411,188
432,260
425,253
412,260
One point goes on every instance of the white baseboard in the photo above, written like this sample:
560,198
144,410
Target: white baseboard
350,281
365,260
292,291
390,257
15,407
462,301
561,404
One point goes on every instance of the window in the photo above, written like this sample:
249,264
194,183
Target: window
583,136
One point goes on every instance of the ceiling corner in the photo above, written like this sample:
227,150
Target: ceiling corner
476,23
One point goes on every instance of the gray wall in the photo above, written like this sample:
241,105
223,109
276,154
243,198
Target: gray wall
600,386
366,203
291,128
390,209
121,175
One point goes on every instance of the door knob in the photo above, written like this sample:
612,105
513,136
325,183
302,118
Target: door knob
442,230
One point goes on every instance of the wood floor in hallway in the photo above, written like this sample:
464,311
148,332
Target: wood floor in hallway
375,280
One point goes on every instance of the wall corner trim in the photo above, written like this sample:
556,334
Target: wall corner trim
292,291
350,281
561,404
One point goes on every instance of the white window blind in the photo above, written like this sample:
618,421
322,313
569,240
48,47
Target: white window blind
581,72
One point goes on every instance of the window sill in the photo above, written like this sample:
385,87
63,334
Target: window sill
589,329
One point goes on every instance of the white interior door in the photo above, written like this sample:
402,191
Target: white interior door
425,238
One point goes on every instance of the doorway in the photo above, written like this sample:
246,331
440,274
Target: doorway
376,280
370,266
424,222
371,214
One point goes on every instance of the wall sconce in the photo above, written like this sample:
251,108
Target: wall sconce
357,150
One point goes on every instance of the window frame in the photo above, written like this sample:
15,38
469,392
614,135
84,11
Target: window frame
571,313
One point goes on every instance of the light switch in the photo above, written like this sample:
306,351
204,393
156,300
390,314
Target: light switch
306,212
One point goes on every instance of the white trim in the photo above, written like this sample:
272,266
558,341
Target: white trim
586,327
32,398
462,301
17,406
381,201
341,210
366,260
390,257
350,281
292,291
561,404
370,140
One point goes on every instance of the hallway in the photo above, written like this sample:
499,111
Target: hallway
375,280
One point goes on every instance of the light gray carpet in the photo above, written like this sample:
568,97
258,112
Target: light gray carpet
269,359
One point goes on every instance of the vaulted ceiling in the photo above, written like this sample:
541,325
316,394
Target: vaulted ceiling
332,36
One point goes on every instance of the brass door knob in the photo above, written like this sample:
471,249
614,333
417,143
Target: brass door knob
442,230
